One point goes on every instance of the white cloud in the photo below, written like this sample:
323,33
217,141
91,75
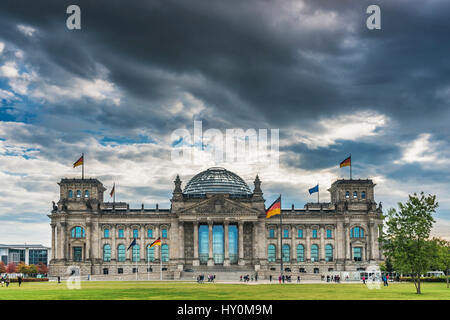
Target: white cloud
9,70
26,30
425,151
350,127
2,46
6,95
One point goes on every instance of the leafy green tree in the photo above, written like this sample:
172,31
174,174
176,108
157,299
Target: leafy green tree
406,239
23,268
32,269
443,256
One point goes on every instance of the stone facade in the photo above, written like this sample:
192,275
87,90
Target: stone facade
338,236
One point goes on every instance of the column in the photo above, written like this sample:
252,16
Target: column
280,248
322,243
64,244
371,242
113,241
226,244
308,244
241,243
87,254
181,240
196,262
210,244
255,256
53,241
347,242
293,247
128,253
157,248
143,249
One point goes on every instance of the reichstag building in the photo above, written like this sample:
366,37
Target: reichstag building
215,224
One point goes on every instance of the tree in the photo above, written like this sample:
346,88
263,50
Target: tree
406,240
42,268
443,256
11,267
22,268
2,267
32,269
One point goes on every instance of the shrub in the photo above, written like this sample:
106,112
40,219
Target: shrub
425,279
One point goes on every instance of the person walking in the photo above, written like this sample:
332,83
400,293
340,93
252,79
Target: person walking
270,278
279,279
387,280
364,279
298,279
59,279
19,280
7,281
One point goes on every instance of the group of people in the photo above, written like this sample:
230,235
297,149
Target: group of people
336,278
284,278
5,280
247,278
201,278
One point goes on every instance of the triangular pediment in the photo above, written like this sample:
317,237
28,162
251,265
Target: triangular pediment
218,204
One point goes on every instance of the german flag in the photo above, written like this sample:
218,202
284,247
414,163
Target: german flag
274,209
157,242
79,162
347,162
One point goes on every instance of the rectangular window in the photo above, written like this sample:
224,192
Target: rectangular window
77,254
135,233
272,233
164,233
121,233
120,270
329,234
357,256
106,233
300,233
285,233
314,233
150,233
105,271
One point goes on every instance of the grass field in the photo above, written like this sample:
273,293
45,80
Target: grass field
101,290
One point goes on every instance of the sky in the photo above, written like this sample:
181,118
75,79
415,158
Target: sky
137,71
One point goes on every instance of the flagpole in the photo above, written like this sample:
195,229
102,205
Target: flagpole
318,199
281,239
135,258
350,166
82,167
148,266
160,263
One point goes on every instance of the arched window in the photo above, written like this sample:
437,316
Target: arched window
135,233
78,232
165,253
328,252
136,253
106,233
329,233
107,253
314,253
271,253
286,233
164,233
150,253
70,194
347,194
271,233
86,193
150,233
355,194
300,253
300,233
357,232
121,253
121,233
314,233
78,194
363,194
286,253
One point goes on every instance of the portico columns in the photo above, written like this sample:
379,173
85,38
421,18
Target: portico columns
308,243
53,241
87,254
322,243
196,262
143,249
210,244
347,242
157,248
293,247
227,243
181,239
113,237
241,243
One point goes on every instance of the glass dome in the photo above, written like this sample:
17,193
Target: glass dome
217,180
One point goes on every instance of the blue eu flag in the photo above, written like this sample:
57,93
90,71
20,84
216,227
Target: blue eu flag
314,189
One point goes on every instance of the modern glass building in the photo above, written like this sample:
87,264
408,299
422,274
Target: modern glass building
27,253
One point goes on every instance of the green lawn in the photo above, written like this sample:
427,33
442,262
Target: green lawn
192,291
